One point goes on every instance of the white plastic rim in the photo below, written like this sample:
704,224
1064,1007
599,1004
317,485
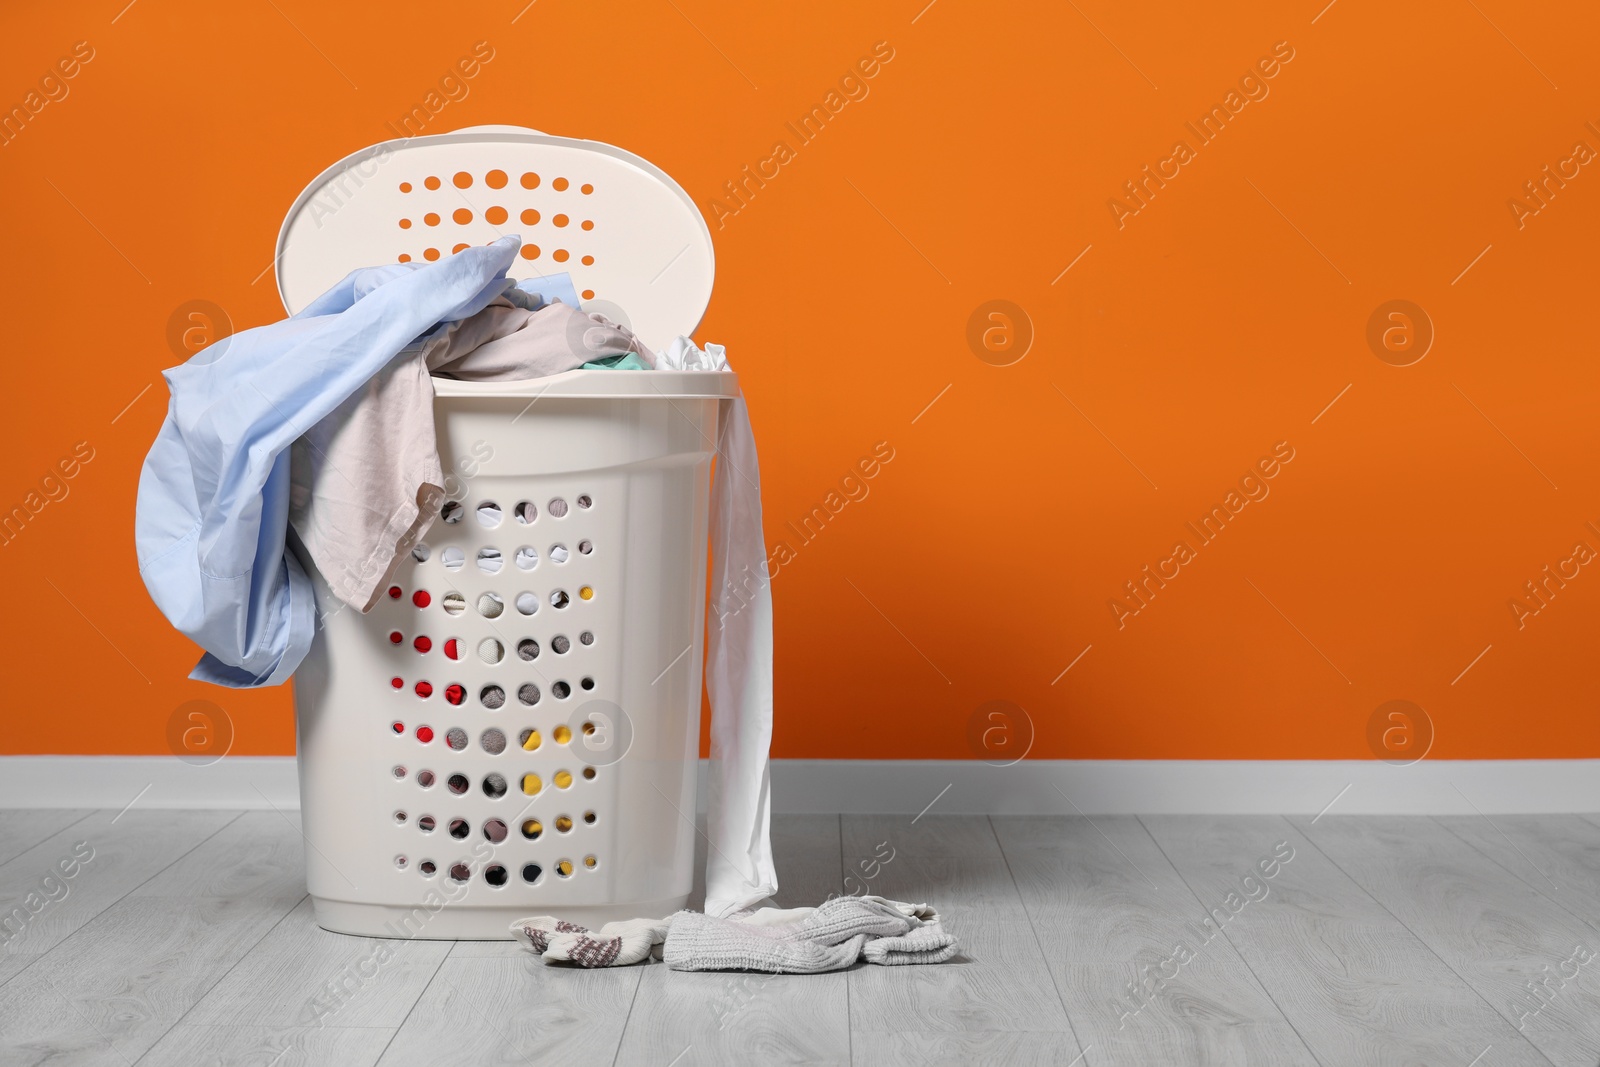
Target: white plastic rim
599,384
645,258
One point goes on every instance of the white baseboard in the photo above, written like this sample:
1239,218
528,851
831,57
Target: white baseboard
156,781
908,787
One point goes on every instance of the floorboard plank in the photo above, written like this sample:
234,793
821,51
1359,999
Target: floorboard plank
515,1010
302,975
739,1019
902,1048
999,981
1555,855
1487,924
135,969
123,853
1106,905
1355,983
21,829
186,1045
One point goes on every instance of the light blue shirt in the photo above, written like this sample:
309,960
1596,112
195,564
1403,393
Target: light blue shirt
213,507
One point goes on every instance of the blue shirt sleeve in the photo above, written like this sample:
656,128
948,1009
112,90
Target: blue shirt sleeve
212,515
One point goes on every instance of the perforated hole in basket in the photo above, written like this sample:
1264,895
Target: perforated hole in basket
558,196
490,560
493,740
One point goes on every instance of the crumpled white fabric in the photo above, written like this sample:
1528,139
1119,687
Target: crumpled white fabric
739,868
919,939
785,916
682,354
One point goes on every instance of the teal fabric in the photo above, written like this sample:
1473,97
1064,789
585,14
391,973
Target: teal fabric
626,361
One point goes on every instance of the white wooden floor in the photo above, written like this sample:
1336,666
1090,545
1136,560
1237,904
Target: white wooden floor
1448,941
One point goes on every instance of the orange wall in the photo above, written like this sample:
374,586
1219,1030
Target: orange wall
1186,341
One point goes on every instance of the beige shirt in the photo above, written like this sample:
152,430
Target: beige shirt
365,482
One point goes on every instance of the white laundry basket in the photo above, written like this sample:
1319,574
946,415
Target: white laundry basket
562,597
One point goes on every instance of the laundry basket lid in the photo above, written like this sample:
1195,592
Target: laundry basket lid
637,248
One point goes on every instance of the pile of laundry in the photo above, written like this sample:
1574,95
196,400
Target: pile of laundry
324,423
831,937
365,482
